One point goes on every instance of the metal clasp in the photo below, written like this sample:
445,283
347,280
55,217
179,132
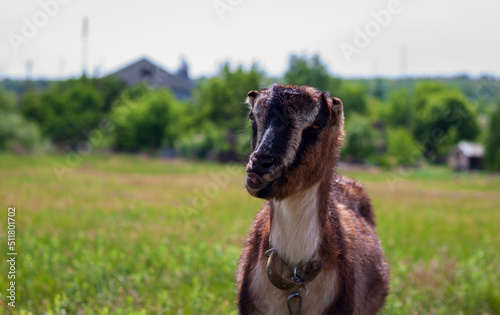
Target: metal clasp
289,300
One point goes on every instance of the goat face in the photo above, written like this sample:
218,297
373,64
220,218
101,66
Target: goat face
297,134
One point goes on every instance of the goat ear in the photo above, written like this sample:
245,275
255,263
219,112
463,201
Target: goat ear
337,114
251,96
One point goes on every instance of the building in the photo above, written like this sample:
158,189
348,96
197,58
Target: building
146,70
466,156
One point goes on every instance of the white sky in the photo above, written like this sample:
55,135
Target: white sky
439,37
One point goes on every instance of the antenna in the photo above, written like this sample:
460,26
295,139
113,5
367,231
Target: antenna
29,70
29,75
85,46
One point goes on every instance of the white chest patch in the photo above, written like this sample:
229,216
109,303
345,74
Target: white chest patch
295,230
295,234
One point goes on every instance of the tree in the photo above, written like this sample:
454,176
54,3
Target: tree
378,90
70,111
31,106
110,88
397,110
219,104
441,117
424,89
305,71
492,145
354,99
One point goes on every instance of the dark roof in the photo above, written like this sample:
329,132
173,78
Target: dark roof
144,69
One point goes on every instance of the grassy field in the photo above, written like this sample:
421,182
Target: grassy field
130,235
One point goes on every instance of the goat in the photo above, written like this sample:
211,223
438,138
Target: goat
313,245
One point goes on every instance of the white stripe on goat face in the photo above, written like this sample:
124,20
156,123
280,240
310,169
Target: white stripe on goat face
275,114
260,115
300,122
295,123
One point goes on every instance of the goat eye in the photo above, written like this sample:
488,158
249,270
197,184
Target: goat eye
316,126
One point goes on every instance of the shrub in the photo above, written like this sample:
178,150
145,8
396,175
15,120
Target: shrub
205,143
361,139
147,122
15,131
401,149
7,101
66,112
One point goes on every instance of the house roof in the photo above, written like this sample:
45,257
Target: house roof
470,149
145,69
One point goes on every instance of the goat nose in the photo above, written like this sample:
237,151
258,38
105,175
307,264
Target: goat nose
263,162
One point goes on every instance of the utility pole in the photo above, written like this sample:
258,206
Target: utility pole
403,59
29,75
85,45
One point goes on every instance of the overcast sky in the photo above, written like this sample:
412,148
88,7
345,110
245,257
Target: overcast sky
386,37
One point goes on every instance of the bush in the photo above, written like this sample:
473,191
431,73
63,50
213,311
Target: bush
208,140
401,149
18,134
148,122
7,101
66,112
361,139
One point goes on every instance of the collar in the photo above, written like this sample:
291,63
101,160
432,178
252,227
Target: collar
301,274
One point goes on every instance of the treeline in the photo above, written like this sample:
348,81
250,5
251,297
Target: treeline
389,122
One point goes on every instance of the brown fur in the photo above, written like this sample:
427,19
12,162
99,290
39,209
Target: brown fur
354,273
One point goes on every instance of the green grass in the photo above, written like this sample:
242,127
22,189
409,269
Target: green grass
125,234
